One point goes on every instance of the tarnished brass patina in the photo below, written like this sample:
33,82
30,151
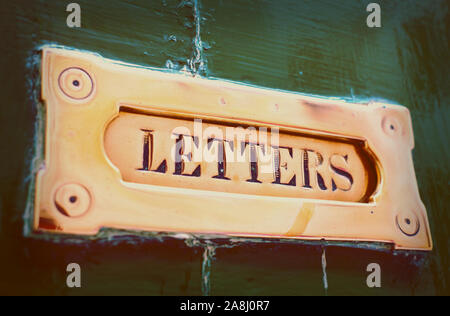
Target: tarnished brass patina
134,148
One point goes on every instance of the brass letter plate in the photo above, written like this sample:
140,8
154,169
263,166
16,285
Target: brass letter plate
134,148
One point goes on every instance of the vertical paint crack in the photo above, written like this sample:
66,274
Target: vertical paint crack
324,271
197,63
208,256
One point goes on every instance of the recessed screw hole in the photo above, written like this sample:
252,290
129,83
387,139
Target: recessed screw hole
73,199
392,127
76,83
408,221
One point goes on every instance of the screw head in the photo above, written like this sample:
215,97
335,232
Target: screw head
391,126
72,200
408,223
76,83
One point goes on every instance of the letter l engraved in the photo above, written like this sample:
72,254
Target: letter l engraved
147,150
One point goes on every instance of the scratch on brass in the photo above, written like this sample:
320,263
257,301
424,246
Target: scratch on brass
302,220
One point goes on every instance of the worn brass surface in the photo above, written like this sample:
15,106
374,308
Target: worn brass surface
340,171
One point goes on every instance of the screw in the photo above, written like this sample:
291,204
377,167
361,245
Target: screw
72,200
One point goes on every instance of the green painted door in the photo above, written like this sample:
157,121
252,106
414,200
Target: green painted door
316,47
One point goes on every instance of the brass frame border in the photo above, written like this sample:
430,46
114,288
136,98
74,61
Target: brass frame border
81,124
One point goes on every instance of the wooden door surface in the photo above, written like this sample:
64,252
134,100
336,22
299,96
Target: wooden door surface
322,48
